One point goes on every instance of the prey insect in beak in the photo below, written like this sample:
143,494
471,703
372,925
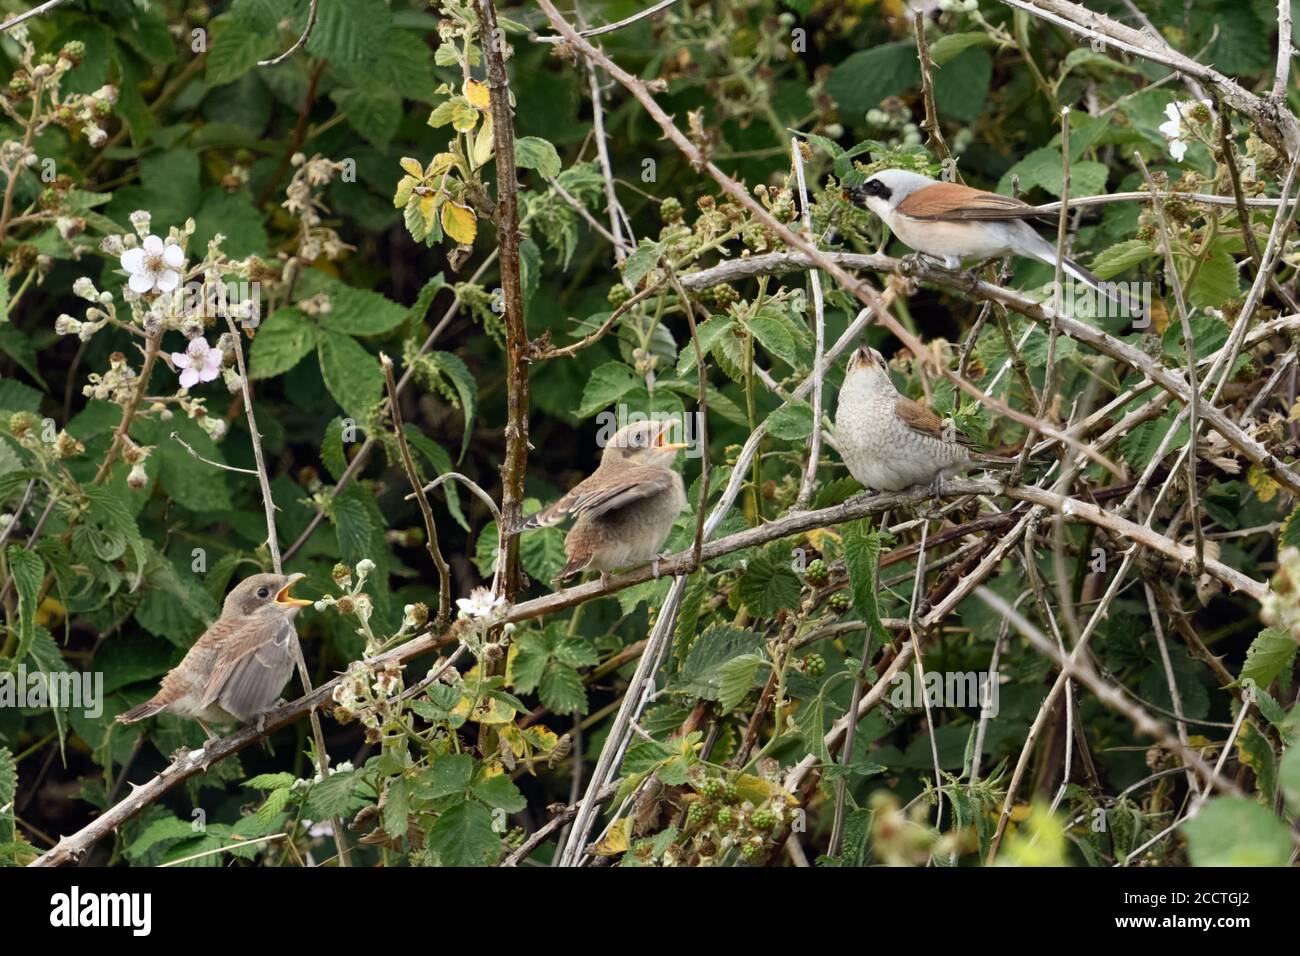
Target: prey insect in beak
282,596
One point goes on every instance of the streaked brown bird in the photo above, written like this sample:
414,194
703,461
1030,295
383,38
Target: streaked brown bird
626,508
237,669
890,442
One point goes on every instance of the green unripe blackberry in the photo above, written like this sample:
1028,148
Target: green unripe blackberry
697,815
814,665
48,59
817,572
670,210
20,84
618,294
840,602
752,851
725,817
720,296
763,820
730,794
73,51
711,788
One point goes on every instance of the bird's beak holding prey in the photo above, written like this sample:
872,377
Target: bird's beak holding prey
282,597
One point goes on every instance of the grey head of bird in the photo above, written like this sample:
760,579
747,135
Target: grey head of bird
642,443
264,593
886,189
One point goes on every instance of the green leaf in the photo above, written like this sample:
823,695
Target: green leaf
641,261
865,78
1216,282
359,311
440,462
793,421
352,33
269,781
448,774
1121,257
463,836
500,792
1271,652
351,374
463,381
397,808
736,679
8,787
768,585
774,336
372,110
27,569
605,386
561,690
235,48
961,88
192,483
166,829
281,342
533,152
951,45
861,558
1235,831
701,674
331,797
1288,778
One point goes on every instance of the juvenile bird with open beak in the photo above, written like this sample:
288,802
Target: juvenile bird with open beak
890,442
626,508
237,669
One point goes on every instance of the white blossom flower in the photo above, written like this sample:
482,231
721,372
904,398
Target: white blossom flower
482,604
154,265
1172,128
198,363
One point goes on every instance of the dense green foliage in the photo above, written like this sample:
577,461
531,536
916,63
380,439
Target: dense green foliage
346,200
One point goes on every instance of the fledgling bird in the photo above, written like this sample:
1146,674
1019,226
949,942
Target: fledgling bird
890,442
955,223
237,669
626,508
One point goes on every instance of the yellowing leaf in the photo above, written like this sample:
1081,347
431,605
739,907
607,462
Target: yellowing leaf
617,840
512,736
428,206
459,223
1159,315
440,164
463,116
412,166
403,194
477,93
488,711
819,536
483,143
542,738
1265,487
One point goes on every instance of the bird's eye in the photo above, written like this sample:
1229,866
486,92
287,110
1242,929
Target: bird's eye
264,592
873,187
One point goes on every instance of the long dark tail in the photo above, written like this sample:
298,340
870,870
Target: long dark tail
1044,251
